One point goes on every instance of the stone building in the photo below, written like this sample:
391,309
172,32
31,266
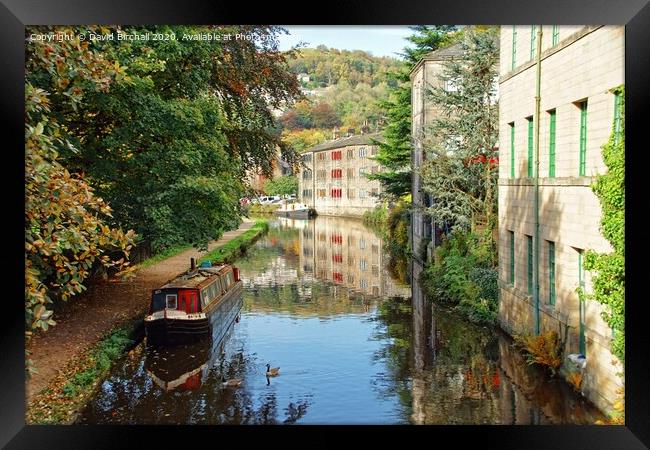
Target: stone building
580,67
332,178
424,76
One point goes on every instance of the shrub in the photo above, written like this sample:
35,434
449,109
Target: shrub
545,349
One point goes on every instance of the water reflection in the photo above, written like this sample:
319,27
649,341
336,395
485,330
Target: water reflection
467,374
354,346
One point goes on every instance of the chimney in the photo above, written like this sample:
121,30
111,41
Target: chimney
335,133
350,132
365,129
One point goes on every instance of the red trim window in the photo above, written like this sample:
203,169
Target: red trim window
337,258
337,173
336,155
336,193
336,239
338,277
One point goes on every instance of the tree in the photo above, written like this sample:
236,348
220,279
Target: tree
460,172
66,231
395,152
169,147
282,186
324,116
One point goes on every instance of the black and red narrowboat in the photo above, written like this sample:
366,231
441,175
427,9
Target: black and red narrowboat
201,302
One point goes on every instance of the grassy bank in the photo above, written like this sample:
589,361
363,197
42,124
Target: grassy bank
61,401
233,249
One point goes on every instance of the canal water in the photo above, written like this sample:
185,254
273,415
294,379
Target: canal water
353,345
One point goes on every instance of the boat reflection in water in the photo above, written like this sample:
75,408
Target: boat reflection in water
183,367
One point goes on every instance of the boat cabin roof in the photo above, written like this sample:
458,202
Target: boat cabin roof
198,278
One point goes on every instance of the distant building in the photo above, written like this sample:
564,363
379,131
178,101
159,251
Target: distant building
257,180
580,65
424,76
304,78
332,179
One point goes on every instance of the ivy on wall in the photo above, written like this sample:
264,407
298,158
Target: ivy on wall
609,268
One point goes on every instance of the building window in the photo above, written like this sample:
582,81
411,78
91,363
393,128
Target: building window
362,193
306,175
373,150
551,144
363,264
350,174
514,46
321,156
556,34
530,146
374,169
583,139
362,152
533,40
512,257
322,193
551,273
374,192
618,114
336,156
336,193
529,245
362,171
350,193
362,244
306,193
306,158
350,153
171,301
512,149
337,173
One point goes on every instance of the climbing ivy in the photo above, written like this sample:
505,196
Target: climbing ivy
609,268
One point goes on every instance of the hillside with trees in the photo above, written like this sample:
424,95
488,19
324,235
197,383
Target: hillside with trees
343,89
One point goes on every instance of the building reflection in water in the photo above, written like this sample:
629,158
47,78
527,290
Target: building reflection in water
344,252
464,373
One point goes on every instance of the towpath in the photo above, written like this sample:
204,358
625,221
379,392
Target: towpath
84,320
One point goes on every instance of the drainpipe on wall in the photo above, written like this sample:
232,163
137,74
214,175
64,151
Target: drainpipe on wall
538,79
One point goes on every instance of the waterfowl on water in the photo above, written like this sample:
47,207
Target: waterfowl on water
230,383
272,372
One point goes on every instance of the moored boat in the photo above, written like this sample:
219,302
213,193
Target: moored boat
201,302
295,211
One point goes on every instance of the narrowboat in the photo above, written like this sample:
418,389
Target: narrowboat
201,302
295,211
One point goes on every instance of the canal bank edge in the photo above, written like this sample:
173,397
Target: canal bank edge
61,401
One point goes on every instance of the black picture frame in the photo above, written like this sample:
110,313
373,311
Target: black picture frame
634,14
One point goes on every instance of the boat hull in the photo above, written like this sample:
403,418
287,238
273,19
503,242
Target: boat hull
301,214
216,322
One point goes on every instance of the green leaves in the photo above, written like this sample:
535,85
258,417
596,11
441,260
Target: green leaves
609,268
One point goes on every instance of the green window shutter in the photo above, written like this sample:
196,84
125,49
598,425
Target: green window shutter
530,147
512,150
533,39
551,146
556,34
583,139
551,273
512,257
529,241
514,46
618,106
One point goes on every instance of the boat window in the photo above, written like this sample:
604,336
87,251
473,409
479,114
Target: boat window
171,301
205,299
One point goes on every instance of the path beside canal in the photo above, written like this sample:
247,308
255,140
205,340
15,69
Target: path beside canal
83,321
